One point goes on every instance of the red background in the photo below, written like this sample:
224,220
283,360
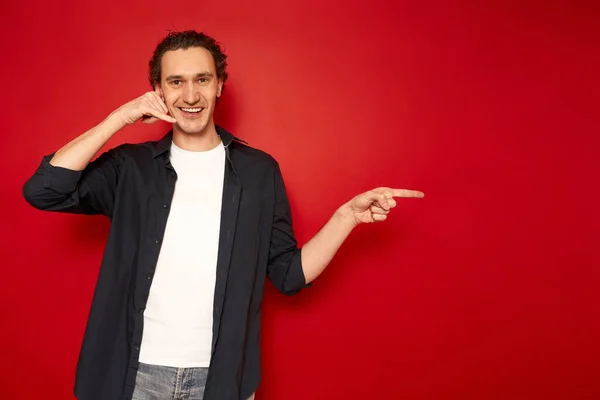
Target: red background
485,289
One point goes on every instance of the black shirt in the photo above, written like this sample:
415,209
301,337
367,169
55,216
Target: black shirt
133,185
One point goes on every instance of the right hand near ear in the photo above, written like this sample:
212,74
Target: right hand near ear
149,107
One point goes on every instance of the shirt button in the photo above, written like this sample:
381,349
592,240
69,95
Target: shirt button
137,348
148,277
156,241
165,206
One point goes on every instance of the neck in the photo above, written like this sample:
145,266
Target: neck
206,140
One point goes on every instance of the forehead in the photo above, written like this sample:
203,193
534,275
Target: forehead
190,61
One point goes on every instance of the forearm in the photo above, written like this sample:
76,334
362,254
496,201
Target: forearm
318,252
77,154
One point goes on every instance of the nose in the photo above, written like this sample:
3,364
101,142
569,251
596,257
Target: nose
191,94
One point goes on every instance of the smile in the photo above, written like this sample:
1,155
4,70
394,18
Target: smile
191,110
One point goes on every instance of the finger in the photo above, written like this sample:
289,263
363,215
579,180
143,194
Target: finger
389,192
166,118
378,217
383,201
158,93
160,115
156,111
156,102
378,198
160,102
389,199
378,210
406,193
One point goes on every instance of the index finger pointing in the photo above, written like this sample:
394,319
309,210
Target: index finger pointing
407,193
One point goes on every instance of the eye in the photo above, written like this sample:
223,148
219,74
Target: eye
175,82
202,80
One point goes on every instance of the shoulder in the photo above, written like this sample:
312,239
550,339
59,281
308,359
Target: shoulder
251,157
137,151
255,167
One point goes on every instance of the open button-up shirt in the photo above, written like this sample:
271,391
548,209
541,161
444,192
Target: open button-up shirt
133,185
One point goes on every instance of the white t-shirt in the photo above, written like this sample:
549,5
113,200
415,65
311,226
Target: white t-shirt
178,317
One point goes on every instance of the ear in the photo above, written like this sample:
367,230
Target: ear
219,88
159,91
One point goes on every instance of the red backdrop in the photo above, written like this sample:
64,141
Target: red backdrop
485,289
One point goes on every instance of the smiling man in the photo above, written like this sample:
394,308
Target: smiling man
199,220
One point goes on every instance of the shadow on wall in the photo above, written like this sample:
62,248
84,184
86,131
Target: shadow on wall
226,112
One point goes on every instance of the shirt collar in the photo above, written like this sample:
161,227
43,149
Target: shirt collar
164,144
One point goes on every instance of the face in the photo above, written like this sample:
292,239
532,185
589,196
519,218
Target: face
189,87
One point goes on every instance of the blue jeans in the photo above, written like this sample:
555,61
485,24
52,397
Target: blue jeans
154,382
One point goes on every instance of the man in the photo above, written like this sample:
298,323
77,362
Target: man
199,220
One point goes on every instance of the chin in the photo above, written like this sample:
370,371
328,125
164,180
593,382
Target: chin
193,129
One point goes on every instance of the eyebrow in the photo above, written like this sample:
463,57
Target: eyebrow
180,77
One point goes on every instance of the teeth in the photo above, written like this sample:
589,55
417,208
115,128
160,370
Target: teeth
194,110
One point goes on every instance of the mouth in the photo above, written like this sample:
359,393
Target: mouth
191,112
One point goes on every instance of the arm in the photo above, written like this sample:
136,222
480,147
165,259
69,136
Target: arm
368,207
284,267
318,252
290,268
67,181
77,154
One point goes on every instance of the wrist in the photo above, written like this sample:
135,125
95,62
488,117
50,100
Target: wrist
346,215
115,120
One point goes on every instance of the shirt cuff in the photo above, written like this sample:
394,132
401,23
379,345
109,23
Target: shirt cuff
296,280
59,179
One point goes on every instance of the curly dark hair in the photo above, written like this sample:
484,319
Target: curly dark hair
184,40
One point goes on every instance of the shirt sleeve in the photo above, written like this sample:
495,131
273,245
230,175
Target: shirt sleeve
91,191
285,262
